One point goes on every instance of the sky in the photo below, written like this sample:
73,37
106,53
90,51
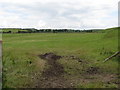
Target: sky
72,14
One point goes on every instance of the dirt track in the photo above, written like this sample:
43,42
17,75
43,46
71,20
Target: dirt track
53,76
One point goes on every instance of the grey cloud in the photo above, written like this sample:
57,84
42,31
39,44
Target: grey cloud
53,14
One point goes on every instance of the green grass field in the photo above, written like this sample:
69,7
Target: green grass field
92,48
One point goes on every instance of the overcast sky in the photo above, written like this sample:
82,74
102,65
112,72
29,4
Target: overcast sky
77,14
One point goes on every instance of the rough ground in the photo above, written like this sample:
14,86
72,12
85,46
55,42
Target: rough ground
53,76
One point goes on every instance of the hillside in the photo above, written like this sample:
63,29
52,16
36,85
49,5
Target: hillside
111,32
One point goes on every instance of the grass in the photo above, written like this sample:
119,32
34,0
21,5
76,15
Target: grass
21,61
0,36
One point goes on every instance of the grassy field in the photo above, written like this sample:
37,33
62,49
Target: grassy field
23,67
0,36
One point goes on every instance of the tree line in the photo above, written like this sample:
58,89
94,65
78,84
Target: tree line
46,31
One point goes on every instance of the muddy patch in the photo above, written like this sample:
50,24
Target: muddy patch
93,70
49,56
74,58
53,76
55,68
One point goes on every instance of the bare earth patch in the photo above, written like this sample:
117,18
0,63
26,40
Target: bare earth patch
53,76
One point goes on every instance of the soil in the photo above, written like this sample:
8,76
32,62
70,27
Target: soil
93,70
53,76
55,68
